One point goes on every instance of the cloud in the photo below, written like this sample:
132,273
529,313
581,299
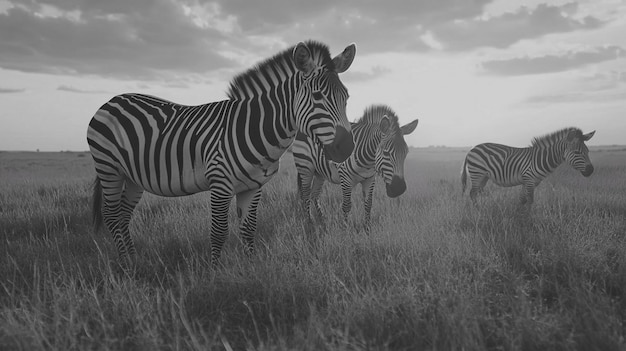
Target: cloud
585,86
156,39
82,91
359,76
551,63
160,39
600,80
123,39
556,98
376,26
509,28
576,97
10,90
262,17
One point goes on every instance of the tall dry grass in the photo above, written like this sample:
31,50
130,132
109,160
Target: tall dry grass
435,273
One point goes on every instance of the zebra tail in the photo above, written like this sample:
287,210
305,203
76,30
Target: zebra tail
464,177
97,205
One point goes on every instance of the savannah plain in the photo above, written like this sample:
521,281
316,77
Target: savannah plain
436,272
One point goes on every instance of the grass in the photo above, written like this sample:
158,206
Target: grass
436,273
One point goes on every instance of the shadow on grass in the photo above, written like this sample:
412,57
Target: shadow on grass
251,310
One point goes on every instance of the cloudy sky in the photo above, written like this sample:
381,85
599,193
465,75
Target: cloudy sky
470,70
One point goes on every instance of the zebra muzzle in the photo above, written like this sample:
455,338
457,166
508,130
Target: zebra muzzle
588,171
342,146
397,187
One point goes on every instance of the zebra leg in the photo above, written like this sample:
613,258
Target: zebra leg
219,204
247,205
120,199
367,186
305,178
316,190
346,202
304,189
478,184
528,193
473,193
130,198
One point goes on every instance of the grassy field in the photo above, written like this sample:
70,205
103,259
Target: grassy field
436,273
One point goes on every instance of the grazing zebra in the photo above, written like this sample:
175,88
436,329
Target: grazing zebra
232,147
379,148
511,166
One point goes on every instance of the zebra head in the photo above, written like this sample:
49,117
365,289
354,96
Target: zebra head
576,152
391,153
321,101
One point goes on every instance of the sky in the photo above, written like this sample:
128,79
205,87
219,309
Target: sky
472,71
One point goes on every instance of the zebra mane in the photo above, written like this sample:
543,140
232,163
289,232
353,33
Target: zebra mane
552,138
374,113
244,84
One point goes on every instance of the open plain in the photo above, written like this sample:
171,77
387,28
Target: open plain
435,273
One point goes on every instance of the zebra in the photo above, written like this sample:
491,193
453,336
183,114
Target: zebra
229,148
379,148
510,166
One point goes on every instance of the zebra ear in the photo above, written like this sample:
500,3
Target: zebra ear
343,61
588,136
409,127
384,124
303,58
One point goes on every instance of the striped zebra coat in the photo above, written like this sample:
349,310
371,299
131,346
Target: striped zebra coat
379,148
231,147
511,166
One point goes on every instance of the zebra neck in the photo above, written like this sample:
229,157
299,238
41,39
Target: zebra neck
366,142
549,157
285,94
276,101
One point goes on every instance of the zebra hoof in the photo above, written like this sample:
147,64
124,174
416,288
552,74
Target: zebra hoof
248,251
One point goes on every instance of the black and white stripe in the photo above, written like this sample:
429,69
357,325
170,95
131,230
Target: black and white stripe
510,166
232,147
379,148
